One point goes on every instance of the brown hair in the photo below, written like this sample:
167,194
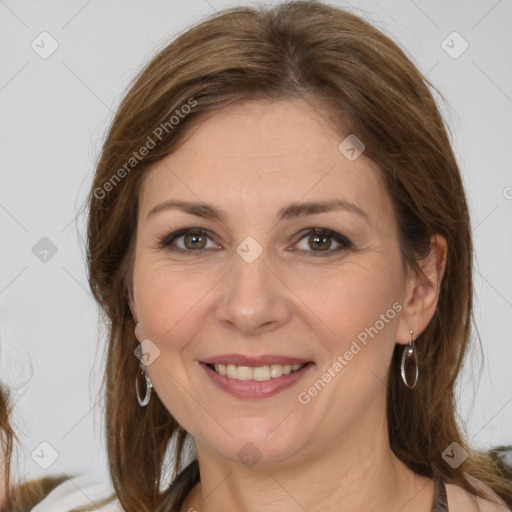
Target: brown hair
23,497
6,446
305,50
27,495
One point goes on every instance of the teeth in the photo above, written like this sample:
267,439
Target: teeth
258,373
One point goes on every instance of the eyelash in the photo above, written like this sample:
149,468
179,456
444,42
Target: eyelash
166,241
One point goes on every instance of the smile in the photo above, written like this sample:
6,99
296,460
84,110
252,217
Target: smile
258,373
255,381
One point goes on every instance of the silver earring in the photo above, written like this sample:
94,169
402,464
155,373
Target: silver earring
409,364
143,402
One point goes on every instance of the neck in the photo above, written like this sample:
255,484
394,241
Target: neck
356,472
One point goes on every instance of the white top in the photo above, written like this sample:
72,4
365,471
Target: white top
80,491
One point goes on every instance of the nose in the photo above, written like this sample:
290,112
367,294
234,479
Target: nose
254,298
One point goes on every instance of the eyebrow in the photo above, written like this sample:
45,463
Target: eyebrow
290,211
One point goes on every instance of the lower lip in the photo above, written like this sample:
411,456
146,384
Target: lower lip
253,388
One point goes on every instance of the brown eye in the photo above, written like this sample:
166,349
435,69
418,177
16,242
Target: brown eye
194,241
320,241
186,240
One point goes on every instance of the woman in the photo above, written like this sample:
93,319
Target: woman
279,237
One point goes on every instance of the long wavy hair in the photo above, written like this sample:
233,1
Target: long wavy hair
368,85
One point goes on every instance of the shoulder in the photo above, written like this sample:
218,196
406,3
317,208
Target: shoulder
78,492
460,500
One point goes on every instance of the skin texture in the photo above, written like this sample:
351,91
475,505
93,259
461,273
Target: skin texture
251,160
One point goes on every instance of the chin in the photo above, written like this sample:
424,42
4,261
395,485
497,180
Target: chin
258,448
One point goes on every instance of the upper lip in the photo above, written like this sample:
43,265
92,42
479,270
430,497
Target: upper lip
262,360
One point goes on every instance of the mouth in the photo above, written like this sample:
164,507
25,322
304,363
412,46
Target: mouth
255,373
255,380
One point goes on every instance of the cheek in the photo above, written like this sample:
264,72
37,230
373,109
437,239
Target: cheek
356,312
362,317
350,299
166,298
168,303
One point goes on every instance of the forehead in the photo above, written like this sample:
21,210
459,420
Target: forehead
260,154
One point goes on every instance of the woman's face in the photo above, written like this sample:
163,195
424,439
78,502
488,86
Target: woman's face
254,286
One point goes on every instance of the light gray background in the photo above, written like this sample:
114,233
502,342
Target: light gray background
53,116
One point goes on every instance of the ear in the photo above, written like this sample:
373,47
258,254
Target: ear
138,328
133,309
422,292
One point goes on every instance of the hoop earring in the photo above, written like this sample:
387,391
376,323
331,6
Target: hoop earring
143,402
409,364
